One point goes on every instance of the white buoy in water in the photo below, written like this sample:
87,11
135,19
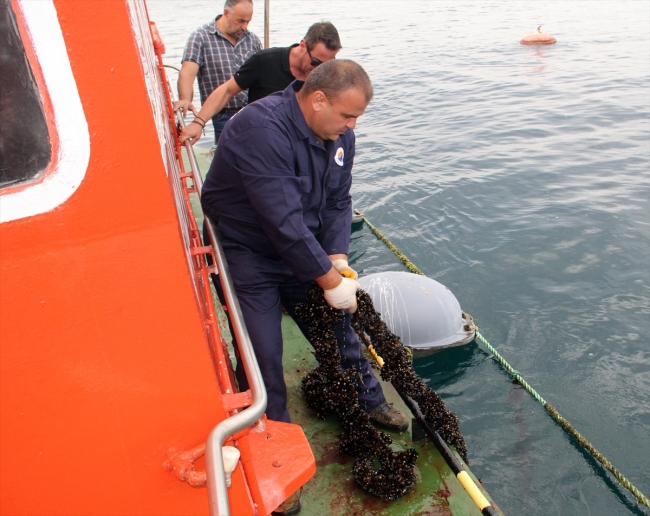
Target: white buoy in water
422,312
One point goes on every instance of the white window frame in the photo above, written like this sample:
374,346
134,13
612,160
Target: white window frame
73,137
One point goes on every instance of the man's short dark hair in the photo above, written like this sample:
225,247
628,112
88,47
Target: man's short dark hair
336,76
325,33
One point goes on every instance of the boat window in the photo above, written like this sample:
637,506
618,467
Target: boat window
25,148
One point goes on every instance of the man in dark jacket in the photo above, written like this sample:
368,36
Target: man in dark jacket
279,192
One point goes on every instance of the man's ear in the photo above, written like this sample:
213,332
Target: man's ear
318,100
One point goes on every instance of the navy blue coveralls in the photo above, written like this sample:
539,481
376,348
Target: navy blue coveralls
281,202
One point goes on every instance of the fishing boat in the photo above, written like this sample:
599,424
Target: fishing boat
117,388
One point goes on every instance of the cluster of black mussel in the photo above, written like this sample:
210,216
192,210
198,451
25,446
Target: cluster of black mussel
330,390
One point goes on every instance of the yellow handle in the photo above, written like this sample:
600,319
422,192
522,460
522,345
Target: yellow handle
472,490
379,360
347,274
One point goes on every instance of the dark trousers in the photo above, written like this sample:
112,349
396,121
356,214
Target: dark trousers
262,285
218,122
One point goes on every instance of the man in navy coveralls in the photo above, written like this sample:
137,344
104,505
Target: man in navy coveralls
279,192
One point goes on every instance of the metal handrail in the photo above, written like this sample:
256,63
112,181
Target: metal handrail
216,477
217,490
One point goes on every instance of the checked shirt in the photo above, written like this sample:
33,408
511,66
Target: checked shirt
218,60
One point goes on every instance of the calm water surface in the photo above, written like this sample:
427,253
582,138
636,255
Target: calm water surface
519,177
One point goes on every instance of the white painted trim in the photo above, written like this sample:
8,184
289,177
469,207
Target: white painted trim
74,140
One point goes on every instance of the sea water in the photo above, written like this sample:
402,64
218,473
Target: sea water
519,177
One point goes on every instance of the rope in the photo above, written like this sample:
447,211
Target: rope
402,258
568,426
641,498
513,372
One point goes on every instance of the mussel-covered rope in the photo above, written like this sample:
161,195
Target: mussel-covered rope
456,466
330,390
398,370
641,498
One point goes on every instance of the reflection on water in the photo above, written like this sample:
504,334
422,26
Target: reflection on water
447,366
517,176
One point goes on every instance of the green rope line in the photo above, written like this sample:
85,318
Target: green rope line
402,258
641,498
568,426
513,372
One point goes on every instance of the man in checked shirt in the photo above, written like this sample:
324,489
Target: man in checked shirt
214,52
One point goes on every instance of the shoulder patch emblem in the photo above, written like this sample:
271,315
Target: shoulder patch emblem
338,157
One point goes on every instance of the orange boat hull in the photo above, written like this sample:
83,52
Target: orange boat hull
105,367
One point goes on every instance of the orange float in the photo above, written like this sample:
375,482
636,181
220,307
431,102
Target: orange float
538,38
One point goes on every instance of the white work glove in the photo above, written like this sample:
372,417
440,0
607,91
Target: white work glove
342,266
343,296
